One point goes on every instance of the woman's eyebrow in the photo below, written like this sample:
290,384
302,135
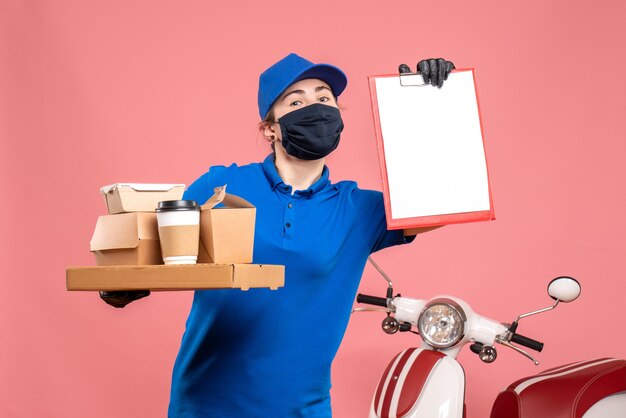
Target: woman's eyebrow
322,88
292,92
318,88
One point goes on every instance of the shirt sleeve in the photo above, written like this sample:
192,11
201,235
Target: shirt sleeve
202,189
376,223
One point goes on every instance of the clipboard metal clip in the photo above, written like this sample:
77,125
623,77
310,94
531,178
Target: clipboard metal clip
412,80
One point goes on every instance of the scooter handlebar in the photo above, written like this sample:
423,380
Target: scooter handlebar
527,342
371,300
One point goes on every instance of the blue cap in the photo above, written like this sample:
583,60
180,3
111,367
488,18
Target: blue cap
275,80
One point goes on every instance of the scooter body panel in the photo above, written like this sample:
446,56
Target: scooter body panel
613,406
420,383
579,390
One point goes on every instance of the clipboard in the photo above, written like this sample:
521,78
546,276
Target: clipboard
431,150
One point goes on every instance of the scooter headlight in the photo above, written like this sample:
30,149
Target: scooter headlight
441,323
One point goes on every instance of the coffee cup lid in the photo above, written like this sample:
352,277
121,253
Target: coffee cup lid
168,205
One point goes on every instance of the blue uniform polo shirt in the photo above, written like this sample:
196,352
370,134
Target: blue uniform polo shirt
268,354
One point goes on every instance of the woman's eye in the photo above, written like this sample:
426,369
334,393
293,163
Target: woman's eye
324,99
295,103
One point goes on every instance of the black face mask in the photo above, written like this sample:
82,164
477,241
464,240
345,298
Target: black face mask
312,132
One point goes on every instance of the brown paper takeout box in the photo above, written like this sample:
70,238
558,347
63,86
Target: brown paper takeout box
139,197
128,253
175,277
226,233
126,238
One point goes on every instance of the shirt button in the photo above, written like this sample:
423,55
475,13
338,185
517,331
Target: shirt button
288,225
290,205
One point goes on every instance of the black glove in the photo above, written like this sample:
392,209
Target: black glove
121,298
434,71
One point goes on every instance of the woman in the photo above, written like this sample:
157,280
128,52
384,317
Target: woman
268,353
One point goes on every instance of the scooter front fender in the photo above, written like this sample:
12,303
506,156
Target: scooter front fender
420,383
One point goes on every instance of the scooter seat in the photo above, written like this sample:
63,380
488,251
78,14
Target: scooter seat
563,392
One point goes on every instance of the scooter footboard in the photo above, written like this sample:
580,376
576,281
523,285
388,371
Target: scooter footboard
569,391
420,383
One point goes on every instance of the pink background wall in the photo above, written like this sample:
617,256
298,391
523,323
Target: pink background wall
142,91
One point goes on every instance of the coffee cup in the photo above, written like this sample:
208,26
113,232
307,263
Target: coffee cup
179,231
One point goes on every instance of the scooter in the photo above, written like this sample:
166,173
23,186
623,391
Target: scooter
428,382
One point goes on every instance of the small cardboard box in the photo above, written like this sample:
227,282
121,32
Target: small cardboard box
175,277
126,238
139,197
226,233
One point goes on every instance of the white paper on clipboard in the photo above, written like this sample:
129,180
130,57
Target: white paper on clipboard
431,150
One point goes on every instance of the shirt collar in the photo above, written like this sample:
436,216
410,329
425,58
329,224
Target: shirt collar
269,168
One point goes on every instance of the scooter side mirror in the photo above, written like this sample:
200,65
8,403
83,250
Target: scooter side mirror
564,289
561,289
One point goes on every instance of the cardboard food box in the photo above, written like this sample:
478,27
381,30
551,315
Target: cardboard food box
139,197
226,233
126,238
175,277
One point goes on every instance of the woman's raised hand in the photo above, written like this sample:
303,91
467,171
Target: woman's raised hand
434,70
